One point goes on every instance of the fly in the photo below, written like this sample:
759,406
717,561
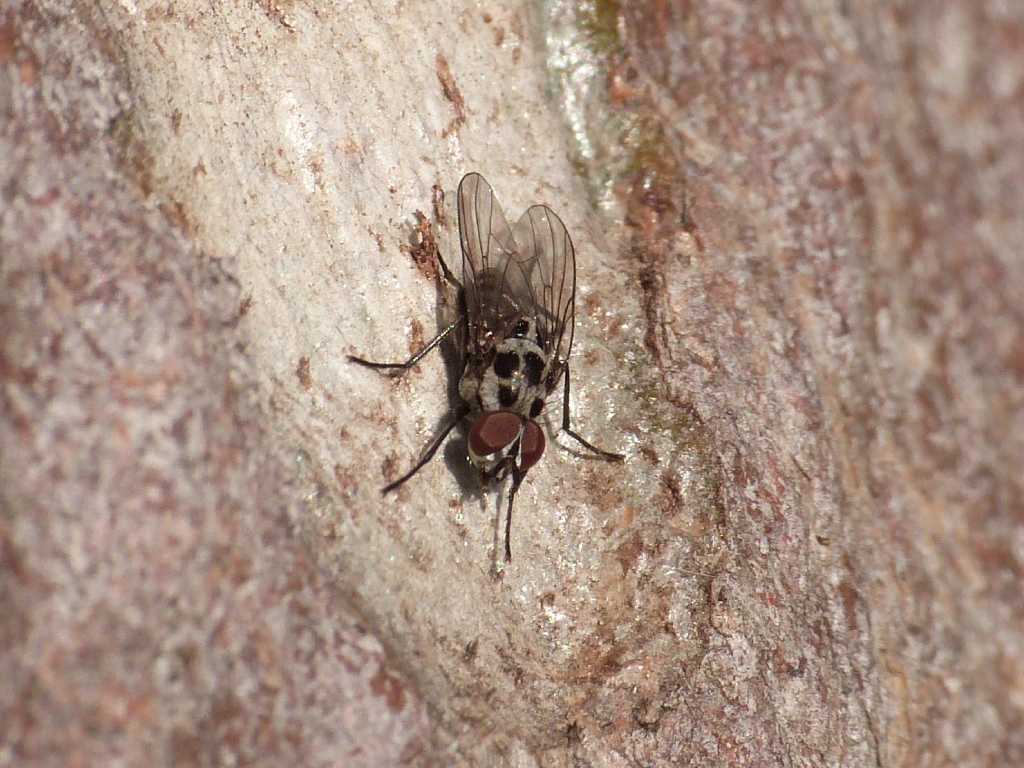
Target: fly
515,332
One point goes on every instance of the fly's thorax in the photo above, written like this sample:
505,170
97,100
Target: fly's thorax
514,378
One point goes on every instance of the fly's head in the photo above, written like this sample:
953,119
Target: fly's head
501,442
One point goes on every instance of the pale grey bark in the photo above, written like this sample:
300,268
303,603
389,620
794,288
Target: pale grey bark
798,234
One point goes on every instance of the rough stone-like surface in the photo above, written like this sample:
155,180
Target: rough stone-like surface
799,238
821,206
156,606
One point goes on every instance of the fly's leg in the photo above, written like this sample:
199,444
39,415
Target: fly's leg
412,360
458,416
448,273
606,455
517,479
499,473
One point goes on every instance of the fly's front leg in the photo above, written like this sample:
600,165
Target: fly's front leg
607,455
428,454
412,360
517,479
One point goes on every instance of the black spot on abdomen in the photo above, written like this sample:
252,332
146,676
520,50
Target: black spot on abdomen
536,408
505,364
507,396
534,367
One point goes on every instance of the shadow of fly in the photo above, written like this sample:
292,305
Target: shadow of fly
514,331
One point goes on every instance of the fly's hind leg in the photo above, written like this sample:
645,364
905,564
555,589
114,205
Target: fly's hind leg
430,345
606,455
447,272
411,362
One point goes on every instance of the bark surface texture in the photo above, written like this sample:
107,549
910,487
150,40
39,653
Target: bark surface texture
800,248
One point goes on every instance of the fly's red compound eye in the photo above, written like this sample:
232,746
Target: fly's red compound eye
532,446
494,432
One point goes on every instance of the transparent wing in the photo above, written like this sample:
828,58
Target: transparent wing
483,229
549,262
495,276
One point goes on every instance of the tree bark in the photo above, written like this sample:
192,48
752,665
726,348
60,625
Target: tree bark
798,237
